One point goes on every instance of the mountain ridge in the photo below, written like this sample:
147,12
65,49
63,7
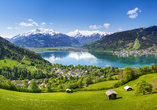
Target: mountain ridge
83,37
140,38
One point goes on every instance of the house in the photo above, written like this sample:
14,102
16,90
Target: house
29,82
128,88
19,85
68,90
13,81
45,80
86,85
111,94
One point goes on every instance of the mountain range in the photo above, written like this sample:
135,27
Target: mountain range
85,37
135,39
49,38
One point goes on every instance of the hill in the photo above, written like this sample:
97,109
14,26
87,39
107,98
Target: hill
89,100
136,39
43,38
14,58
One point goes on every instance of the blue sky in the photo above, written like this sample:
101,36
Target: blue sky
18,16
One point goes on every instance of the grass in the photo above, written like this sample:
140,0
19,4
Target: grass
8,63
11,63
105,84
137,44
82,100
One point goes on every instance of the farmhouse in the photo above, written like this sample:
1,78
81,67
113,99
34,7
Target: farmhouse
111,94
86,85
128,88
68,90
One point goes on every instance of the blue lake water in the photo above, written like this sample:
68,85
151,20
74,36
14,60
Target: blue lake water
100,59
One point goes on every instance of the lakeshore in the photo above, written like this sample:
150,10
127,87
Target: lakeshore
146,52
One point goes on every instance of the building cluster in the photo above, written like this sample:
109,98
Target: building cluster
72,72
149,51
40,82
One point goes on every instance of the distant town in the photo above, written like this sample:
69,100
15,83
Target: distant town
149,51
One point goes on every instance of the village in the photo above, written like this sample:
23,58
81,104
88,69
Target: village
149,51
42,82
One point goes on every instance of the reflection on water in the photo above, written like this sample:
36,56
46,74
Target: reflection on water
81,55
101,59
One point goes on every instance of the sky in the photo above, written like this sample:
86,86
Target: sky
19,16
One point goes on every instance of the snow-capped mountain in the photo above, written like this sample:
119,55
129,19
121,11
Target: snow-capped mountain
78,33
43,38
85,37
34,32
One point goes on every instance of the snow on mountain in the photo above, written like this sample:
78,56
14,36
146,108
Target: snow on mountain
78,33
85,37
33,32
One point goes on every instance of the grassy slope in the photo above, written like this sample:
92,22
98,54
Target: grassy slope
105,84
89,100
11,63
8,63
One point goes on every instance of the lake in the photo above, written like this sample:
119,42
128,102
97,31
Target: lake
100,59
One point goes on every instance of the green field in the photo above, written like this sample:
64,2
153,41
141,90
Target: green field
11,63
8,62
105,84
82,100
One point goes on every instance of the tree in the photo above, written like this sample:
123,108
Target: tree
33,86
154,84
120,76
48,87
87,80
146,69
2,78
25,84
109,77
79,83
128,74
153,68
69,86
143,87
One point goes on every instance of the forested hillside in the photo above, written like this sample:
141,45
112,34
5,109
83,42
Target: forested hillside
136,39
16,62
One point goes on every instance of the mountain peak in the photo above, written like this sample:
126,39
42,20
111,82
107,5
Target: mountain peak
33,32
86,33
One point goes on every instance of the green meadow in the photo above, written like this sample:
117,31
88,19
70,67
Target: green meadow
11,63
81,100
105,84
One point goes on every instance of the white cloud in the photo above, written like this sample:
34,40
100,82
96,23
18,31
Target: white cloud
36,24
25,24
42,23
30,20
51,23
94,27
31,23
106,25
139,10
16,28
120,29
9,28
133,13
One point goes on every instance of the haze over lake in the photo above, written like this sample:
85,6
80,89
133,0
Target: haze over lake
100,59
